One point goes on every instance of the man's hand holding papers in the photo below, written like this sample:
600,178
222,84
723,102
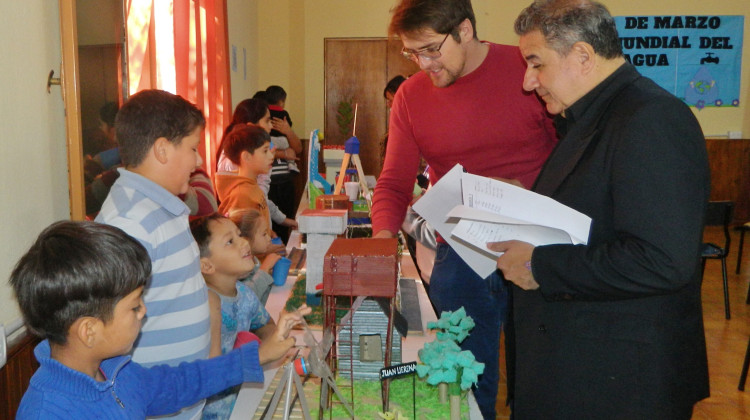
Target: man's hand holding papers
470,211
515,262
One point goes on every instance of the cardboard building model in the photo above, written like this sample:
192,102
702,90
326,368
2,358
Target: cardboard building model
355,268
368,335
321,228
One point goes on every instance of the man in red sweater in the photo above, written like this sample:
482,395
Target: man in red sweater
467,106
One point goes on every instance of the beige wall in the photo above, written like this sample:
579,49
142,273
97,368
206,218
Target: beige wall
33,162
242,18
282,55
263,29
98,30
291,33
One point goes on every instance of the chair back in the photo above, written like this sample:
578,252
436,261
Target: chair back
720,213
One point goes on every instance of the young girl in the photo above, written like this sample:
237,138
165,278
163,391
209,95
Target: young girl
252,111
254,228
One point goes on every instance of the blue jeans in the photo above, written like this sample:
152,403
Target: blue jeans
454,284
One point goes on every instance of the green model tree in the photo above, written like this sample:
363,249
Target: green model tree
443,361
345,117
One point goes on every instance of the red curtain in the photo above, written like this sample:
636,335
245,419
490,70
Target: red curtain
181,46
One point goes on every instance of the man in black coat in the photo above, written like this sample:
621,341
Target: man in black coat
612,329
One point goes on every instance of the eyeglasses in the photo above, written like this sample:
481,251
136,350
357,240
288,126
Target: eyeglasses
429,53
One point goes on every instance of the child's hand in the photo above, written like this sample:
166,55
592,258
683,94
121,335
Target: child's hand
279,343
289,154
281,125
274,348
290,223
289,320
279,249
269,261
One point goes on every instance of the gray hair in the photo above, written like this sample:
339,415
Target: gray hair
565,22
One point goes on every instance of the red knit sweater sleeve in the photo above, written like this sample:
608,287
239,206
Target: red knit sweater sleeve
396,182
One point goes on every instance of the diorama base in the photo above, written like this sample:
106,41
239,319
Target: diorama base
367,401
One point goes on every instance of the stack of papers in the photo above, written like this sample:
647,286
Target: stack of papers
470,210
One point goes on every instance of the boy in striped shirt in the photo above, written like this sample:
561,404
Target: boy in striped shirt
158,134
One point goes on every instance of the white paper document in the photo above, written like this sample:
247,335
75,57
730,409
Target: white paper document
476,230
470,210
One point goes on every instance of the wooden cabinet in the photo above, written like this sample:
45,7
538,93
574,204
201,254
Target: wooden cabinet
730,174
16,374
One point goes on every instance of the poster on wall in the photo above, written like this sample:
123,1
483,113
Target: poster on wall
696,58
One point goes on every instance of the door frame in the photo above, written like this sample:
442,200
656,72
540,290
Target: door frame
72,103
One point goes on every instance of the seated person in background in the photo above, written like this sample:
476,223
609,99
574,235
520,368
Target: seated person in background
101,138
99,144
225,259
80,288
107,115
248,147
97,190
254,228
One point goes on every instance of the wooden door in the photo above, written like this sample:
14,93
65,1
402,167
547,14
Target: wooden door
357,70
396,64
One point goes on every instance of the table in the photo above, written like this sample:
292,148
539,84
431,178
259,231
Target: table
251,394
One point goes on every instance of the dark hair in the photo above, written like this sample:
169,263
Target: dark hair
244,138
76,269
247,111
441,16
393,84
565,22
149,115
248,221
201,232
275,94
261,94
108,112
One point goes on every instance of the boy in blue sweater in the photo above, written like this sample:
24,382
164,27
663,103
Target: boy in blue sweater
80,288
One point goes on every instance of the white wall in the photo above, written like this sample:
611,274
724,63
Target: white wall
33,160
